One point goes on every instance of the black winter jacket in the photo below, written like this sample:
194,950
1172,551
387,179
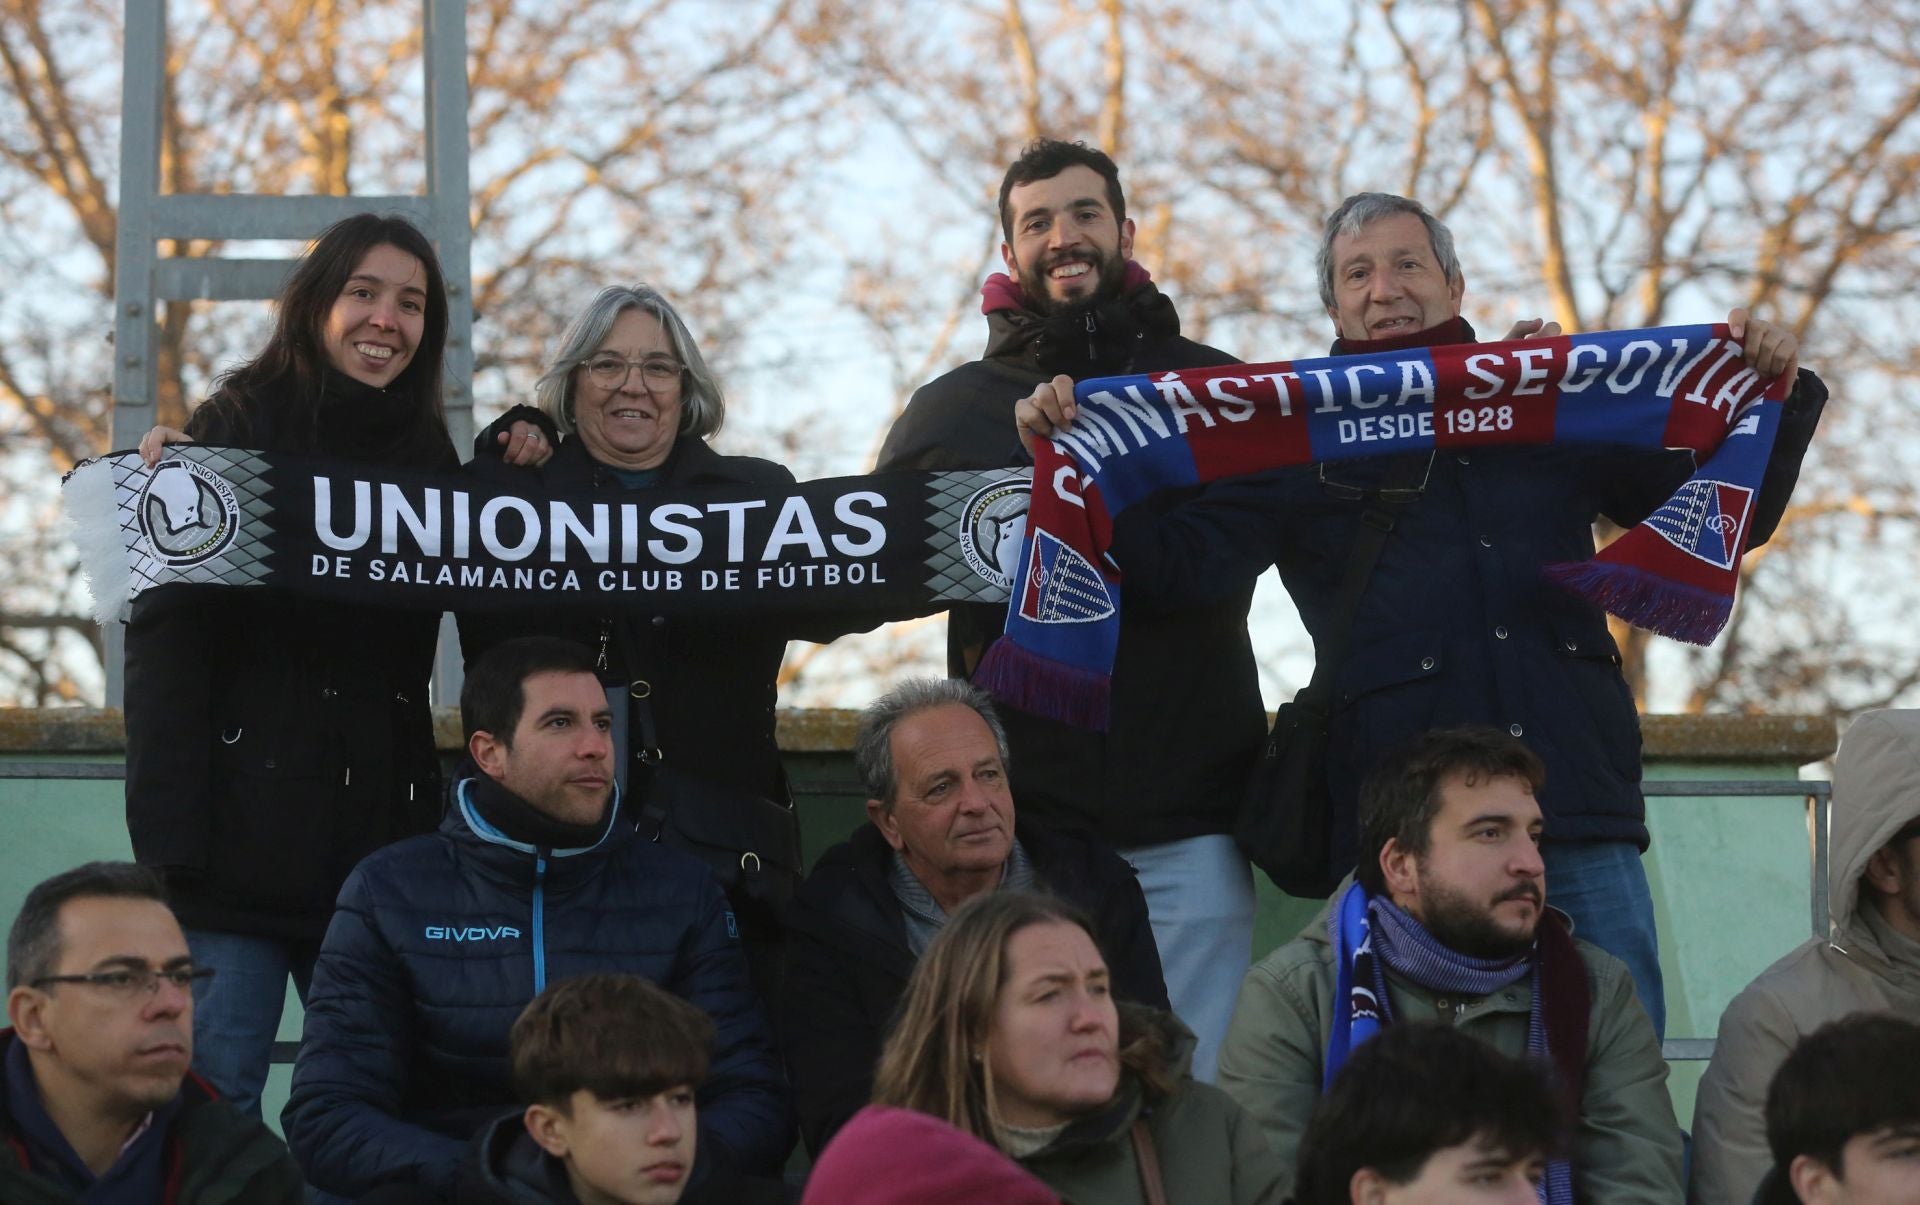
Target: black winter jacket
273,742
1186,712
509,1168
713,681
214,1155
848,959
1458,624
439,943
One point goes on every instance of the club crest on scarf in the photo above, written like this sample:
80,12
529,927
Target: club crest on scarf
1681,388
187,513
992,530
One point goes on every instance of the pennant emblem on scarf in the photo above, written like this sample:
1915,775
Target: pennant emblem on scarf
1685,387
1061,586
1703,520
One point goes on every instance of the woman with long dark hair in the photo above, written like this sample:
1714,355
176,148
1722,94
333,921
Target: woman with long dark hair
273,741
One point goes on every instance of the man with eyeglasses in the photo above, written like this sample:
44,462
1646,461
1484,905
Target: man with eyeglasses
1456,624
99,1105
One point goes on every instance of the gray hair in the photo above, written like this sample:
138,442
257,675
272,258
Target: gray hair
33,944
1362,210
702,408
873,745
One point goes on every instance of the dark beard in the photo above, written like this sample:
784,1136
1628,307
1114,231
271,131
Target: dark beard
1462,926
1111,271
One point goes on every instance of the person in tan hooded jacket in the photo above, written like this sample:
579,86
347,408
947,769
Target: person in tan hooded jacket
1869,962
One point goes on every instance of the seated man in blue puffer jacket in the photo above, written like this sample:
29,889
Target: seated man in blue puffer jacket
439,941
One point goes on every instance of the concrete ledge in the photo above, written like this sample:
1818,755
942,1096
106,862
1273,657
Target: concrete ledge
1791,739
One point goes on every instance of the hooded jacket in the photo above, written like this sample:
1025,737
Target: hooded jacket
212,1155
1862,965
1186,712
1626,1148
1457,624
1208,1147
849,961
438,944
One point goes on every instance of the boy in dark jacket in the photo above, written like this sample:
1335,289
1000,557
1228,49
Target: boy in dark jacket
1843,1116
607,1066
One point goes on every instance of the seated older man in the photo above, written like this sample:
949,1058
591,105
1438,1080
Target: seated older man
933,759
98,1104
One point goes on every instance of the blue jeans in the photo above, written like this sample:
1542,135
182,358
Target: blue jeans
236,1014
1200,903
1603,887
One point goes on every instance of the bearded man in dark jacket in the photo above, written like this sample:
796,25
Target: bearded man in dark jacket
932,756
441,940
1186,718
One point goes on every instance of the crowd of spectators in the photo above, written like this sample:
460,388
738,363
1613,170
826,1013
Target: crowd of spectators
1029,975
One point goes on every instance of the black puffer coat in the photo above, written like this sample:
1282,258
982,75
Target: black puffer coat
273,742
1186,711
442,940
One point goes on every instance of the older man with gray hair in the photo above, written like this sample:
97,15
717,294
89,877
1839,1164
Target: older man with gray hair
932,758
1451,621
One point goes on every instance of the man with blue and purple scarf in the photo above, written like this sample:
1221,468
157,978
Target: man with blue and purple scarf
1446,920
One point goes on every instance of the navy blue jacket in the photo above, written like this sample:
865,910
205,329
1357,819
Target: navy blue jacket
441,940
1458,625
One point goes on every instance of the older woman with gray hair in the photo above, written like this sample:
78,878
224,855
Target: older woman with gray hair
631,403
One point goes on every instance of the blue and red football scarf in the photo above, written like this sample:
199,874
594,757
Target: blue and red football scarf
1680,387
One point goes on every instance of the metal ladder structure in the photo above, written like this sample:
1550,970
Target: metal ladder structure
142,278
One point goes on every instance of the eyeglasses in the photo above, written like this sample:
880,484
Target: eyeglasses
656,372
1341,491
130,984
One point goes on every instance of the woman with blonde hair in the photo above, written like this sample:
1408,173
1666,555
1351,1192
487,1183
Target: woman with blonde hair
1009,1031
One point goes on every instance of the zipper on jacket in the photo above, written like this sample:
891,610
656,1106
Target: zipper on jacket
539,923
1093,329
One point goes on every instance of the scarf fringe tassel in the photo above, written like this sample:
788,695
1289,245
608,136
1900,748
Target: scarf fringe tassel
1024,679
93,524
1647,600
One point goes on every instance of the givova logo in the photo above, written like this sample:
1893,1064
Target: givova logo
470,932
